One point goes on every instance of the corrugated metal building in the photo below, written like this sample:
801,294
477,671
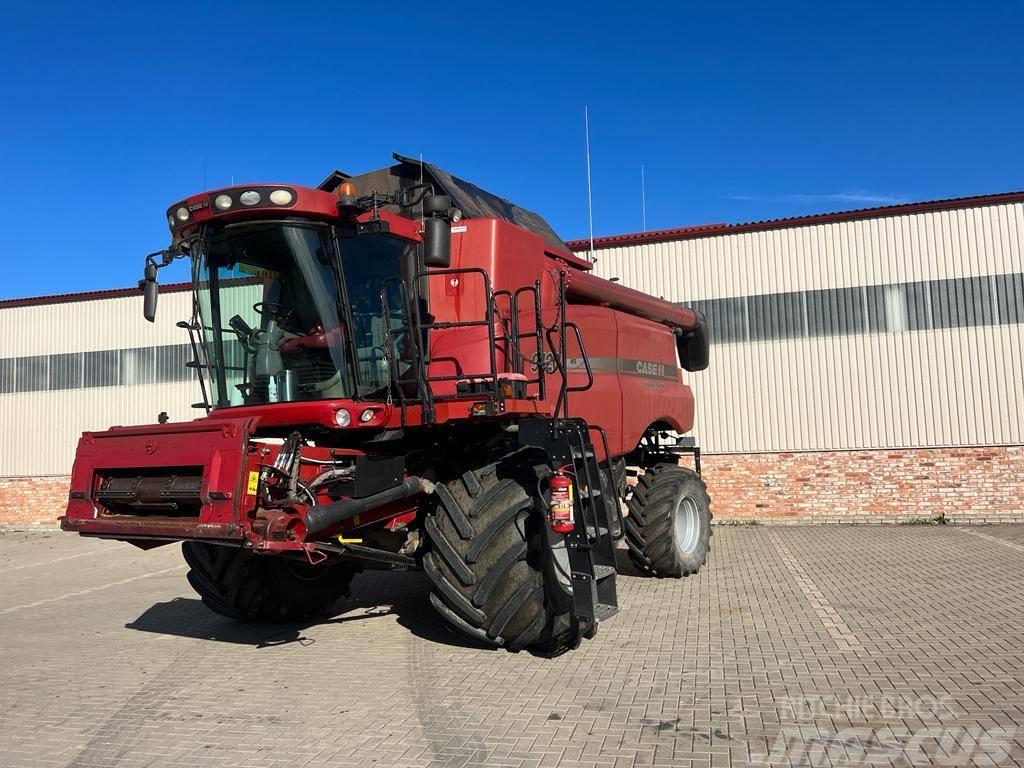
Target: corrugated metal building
838,339
84,362
891,328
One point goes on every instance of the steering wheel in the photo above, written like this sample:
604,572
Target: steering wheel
280,312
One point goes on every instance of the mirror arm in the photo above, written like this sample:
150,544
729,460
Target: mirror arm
148,283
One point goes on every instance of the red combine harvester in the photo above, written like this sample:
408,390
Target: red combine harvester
402,371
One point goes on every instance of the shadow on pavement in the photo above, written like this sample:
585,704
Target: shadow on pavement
406,596
374,594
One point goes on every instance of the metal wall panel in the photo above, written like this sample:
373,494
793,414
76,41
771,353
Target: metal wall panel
41,429
86,365
899,331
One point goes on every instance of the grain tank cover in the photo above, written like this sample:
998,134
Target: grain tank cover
474,202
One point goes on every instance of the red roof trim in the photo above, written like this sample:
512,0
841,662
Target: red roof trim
70,298
704,230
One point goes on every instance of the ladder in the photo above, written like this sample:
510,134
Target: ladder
598,521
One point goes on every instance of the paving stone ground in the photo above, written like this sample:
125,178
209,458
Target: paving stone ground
841,645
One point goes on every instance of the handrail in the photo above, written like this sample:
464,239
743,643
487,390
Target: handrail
562,364
511,336
192,327
389,340
611,479
509,329
538,321
488,320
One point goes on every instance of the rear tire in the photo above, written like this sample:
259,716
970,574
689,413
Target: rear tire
668,529
244,586
491,569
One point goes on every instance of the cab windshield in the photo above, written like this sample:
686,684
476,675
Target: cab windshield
272,302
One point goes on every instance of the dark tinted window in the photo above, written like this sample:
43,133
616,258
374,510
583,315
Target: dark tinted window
835,311
66,371
170,363
727,318
918,306
101,368
1010,298
961,302
776,316
138,366
6,375
31,373
897,307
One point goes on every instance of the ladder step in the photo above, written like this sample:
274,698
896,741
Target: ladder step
603,571
578,454
603,611
590,494
594,535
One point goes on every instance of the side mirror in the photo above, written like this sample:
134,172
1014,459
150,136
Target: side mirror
437,231
150,291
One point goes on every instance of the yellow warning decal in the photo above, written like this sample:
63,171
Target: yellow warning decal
254,481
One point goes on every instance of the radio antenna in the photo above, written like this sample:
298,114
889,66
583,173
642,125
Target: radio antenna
643,197
590,198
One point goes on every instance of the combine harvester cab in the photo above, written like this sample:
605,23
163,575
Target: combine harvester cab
402,371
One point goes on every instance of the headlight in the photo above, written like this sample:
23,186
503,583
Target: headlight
281,197
366,415
249,197
222,201
342,417
181,213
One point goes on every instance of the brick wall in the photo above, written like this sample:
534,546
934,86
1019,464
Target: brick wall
31,500
964,484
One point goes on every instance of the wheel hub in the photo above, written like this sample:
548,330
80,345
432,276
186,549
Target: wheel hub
686,525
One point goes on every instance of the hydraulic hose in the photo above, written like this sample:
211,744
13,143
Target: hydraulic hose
323,516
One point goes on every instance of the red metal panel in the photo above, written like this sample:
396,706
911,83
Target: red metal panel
219,446
601,404
652,383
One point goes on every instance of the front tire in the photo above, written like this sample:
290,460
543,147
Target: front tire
491,570
244,586
668,529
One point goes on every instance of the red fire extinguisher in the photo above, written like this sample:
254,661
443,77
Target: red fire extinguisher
560,513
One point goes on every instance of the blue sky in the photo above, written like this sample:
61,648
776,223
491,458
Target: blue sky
737,111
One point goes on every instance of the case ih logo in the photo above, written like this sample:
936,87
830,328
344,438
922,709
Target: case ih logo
645,368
